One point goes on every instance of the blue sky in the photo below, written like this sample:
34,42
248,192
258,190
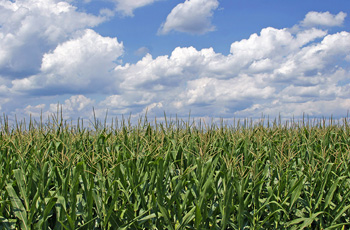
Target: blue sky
215,58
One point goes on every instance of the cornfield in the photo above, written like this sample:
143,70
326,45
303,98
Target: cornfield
174,175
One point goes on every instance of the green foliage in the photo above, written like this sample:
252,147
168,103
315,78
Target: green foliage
174,175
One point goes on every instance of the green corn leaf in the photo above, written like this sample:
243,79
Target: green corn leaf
21,182
165,214
33,207
329,168
89,196
227,206
187,218
296,191
296,221
75,183
308,221
341,213
111,209
337,226
98,204
18,207
198,216
148,217
331,191
7,224
138,219
269,217
65,183
71,221
61,210
49,207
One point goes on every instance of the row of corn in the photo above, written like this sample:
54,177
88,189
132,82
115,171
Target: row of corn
174,175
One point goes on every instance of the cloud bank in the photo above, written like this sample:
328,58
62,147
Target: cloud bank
284,71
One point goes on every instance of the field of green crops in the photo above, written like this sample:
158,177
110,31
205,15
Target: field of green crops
175,175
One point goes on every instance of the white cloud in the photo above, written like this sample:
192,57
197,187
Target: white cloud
308,64
262,53
141,51
323,19
74,104
3,100
35,111
313,108
30,28
73,107
192,16
275,71
263,73
128,101
272,42
211,90
166,72
89,49
77,106
126,7
115,101
4,84
81,64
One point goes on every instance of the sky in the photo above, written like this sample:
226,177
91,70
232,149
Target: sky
204,58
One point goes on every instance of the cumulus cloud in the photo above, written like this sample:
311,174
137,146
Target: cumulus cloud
276,71
135,101
192,16
323,19
263,73
35,110
317,108
32,27
74,107
81,64
126,7
262,53
76,103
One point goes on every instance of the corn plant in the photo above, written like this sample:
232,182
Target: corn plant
174,175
